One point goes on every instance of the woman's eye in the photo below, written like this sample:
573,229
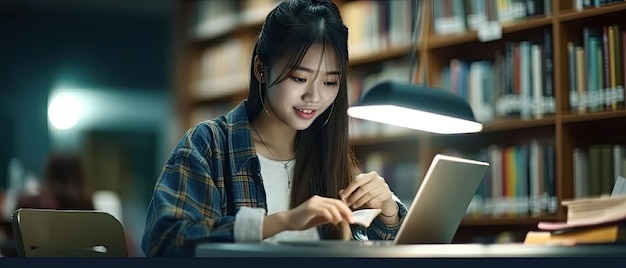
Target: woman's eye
331,84
298,79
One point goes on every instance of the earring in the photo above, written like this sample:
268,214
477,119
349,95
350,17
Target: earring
261,97
329,114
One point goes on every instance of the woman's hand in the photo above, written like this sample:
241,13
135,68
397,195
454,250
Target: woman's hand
369,190
313,212
316,211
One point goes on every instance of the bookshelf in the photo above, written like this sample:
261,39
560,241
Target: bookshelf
534,118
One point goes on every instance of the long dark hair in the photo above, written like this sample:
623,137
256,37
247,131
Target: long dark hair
324,160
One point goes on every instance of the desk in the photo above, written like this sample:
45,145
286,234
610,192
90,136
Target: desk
407,251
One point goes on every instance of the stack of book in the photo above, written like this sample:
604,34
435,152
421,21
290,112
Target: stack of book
589,221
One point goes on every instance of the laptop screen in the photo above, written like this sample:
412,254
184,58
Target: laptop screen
442,200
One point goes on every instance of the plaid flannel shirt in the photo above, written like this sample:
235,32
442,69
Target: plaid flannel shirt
191,203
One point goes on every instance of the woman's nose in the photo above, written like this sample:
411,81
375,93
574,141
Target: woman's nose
312,93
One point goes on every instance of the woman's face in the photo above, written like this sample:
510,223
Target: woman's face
308,91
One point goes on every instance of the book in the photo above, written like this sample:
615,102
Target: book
609,233
595,210
589,220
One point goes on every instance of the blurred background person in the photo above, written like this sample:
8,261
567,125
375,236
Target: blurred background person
64,185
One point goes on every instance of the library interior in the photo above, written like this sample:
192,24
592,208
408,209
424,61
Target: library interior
111,86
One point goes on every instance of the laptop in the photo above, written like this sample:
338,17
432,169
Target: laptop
439,205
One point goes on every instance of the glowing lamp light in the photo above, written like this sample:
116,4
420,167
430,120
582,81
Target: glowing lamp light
64,111
416,107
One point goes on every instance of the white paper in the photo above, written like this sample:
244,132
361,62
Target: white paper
365,216
619,188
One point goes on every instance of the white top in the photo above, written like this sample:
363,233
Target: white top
248,221
276,183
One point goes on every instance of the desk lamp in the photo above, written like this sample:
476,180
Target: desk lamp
416,107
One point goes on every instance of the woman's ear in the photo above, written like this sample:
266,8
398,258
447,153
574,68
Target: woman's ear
258,69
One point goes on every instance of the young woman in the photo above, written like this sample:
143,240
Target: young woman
278,166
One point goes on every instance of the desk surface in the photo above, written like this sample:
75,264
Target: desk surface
406,251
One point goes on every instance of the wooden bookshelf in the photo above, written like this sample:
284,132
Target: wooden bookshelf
435,42
497,221
566,129
380,56
568,13
514,124
597,116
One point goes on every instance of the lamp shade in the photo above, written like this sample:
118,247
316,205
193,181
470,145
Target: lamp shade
417,107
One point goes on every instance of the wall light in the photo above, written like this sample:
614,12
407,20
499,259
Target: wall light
64,110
